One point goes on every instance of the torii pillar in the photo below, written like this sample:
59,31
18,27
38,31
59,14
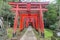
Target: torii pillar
41,21
33,6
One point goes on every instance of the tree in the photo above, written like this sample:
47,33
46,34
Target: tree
5,12
58,1
51,15
58,12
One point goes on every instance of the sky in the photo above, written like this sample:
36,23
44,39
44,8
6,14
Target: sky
48,0
51,1
38,0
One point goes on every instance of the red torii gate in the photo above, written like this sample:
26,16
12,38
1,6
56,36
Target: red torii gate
31,11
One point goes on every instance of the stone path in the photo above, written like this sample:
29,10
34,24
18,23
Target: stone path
29,35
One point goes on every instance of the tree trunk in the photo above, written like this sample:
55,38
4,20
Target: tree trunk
7,21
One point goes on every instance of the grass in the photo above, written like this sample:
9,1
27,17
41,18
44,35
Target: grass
18,33
9,32
48,33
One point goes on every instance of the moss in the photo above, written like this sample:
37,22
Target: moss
48,33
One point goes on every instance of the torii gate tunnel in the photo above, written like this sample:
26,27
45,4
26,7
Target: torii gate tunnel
29,12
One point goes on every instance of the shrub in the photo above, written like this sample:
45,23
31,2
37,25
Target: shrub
53,27
9,33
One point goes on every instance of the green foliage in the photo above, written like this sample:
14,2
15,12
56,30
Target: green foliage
12,0
48,33
58,1
5,11
51,15
52,27
9,33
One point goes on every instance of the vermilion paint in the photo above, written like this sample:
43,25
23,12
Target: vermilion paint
27,11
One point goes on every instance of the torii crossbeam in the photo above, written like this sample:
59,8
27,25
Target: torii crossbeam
29,12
